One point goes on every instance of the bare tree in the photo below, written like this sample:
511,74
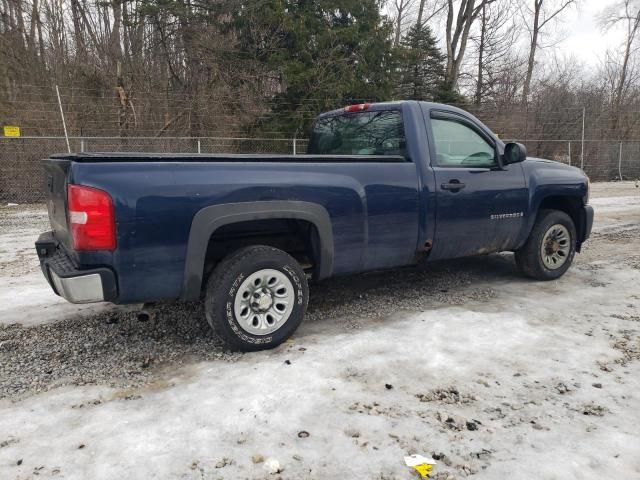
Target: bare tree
406,13
494,40
502,84
434,9
543,12
401,11
457,34
627,13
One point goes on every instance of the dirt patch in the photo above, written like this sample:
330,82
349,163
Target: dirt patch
594,410
622,232
629,346
111,348
447,395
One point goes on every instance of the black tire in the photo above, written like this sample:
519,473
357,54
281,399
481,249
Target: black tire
529,258
224,283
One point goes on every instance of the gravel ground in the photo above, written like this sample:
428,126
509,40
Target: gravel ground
116,349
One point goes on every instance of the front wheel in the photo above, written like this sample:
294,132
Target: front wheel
550,248
256,298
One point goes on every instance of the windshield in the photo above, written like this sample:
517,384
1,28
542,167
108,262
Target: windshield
363,133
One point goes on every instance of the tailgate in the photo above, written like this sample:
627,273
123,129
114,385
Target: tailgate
56,177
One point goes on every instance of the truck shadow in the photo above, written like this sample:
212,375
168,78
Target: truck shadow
417,288
114,348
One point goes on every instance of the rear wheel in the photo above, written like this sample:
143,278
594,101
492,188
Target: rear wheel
256,298
550,248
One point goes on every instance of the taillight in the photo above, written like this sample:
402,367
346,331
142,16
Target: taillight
361,107
91,218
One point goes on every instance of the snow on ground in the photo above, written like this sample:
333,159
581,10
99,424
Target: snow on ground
24,297
28,300
504,378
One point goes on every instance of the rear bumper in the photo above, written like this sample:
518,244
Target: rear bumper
70,282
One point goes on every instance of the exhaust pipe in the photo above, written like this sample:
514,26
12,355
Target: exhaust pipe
147,312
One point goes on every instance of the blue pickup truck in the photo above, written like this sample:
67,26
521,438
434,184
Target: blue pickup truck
382,185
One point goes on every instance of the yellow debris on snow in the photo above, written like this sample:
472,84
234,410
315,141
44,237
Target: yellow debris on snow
422,465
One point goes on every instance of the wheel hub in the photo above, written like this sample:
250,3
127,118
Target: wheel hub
556,246
552,246
264,301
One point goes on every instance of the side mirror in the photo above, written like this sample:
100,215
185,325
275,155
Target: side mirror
514,153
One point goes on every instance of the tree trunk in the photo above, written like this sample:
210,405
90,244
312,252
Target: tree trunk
78,30
21,27
115,54
633,23
457,37
115,45
532,50
449,34
32,27
483,30
400,13
420,13
41,40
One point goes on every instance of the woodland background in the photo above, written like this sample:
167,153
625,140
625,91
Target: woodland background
262,69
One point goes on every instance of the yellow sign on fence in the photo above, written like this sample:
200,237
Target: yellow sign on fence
11,131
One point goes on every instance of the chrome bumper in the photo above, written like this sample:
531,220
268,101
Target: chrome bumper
83,289
69,281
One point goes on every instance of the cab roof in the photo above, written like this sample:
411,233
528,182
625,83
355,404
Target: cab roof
392,105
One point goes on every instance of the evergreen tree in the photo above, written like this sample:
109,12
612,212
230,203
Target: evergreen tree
421,71
323,53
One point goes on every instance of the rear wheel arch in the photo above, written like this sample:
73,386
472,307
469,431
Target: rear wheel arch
212,219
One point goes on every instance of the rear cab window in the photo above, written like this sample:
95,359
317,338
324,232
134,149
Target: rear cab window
360,133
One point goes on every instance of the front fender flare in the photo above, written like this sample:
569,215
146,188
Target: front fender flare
209,219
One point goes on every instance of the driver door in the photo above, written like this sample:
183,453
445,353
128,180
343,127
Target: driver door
480,206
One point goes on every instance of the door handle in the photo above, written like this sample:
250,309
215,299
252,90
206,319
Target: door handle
453,185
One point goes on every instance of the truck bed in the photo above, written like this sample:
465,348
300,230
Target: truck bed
103,157
156,197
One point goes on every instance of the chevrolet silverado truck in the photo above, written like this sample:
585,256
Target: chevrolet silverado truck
382,185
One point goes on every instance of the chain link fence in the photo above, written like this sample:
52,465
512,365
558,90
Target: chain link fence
21,174
21,177
601,160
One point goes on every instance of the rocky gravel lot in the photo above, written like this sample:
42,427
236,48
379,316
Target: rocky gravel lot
116,349
490,373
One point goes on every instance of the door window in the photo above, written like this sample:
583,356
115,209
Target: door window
458,145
